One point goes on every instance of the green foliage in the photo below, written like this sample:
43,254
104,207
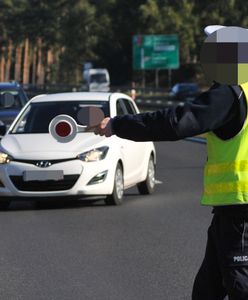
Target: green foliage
79,36
171,17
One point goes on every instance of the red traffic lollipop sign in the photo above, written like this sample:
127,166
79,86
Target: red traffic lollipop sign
64,128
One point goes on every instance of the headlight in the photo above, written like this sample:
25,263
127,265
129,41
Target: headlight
4,158
94,154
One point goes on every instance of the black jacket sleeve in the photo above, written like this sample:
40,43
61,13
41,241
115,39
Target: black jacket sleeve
208,112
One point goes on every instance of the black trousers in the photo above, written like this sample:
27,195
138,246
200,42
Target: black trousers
224,270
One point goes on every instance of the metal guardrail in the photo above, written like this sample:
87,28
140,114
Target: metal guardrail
60,88
156,103
145,99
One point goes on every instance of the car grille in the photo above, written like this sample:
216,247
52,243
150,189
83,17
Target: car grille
35,162
44,186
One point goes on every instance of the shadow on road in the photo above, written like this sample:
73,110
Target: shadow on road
49,204
68,203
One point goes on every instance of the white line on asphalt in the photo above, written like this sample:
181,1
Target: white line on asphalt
158,181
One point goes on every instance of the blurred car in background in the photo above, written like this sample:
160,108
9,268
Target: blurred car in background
12,100
97,80
184,91
34,164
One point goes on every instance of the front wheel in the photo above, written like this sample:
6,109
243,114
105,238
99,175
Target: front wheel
117,195
147,186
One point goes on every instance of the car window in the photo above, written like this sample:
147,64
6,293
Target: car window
119,108
37,117
98,78
175,88
182,88
129,107
125,106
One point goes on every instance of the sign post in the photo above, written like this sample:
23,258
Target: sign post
155,52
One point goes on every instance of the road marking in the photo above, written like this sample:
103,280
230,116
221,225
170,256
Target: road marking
158,181
197,140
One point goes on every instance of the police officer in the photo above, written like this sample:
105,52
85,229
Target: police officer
221,112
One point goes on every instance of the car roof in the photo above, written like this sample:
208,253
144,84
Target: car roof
74,96
4,85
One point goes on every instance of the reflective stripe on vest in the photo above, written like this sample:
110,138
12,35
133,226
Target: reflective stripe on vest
226,171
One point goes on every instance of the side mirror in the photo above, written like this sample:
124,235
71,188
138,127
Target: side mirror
7,100
3,128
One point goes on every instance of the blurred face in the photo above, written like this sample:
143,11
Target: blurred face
224,56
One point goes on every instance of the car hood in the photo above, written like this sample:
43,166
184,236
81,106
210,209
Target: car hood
44,146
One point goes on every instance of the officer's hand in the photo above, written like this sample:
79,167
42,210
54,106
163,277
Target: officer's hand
104,128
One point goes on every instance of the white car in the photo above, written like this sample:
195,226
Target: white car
34,164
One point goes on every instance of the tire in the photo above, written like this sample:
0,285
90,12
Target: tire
147,186
116,197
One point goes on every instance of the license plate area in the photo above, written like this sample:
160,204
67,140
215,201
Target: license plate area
43,175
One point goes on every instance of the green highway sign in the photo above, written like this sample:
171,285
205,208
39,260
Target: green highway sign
152,52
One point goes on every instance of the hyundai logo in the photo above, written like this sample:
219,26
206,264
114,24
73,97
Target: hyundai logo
43,164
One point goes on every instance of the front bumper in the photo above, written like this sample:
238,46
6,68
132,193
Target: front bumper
75,182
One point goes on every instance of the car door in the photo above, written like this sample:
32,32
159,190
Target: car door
133,152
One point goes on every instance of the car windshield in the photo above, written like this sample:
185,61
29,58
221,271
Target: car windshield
37,116
98,78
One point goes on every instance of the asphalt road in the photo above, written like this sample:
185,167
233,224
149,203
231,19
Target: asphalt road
147,249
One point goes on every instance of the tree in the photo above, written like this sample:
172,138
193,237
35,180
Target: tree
171,17
78,39
120,19
8,36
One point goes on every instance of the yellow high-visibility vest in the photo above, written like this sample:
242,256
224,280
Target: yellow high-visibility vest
226,170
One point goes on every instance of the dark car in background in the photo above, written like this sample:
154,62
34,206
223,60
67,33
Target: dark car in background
184,91
12,100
